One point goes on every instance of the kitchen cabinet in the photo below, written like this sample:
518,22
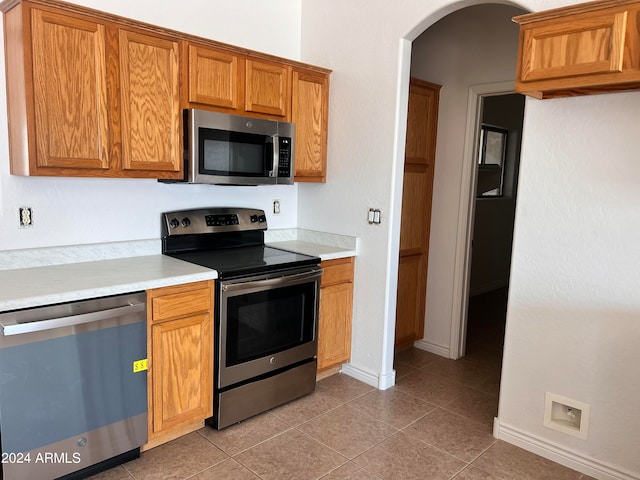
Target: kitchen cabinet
88,96
268,88
215,78
417,192
309,111
222,80
180,346
336,311
151,118
581,49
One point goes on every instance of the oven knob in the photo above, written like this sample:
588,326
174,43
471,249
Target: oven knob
272,360
174,223
186,222
262,219
254,218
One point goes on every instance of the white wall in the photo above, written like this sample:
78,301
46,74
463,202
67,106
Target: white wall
572,326
76,211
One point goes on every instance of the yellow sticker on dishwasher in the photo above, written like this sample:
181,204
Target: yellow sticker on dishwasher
140,365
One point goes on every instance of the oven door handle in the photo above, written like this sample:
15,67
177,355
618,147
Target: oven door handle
272,282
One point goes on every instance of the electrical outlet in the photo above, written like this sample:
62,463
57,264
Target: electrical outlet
276,207
25,217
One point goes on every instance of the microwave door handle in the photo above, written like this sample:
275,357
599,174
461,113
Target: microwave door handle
276,155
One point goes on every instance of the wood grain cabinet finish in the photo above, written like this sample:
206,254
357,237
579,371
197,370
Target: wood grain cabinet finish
336,311
215,78
268,88
151,117
310,113
417,192
180,351
581,49
87,97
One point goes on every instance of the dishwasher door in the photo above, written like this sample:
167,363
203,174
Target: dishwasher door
73,389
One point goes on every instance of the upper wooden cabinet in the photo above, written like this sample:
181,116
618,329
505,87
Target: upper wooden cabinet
89,97
268,88
581,49
98,95
215,78
310,113
151,118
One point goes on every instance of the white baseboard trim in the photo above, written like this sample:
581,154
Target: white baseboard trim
559,454
441,350
381,382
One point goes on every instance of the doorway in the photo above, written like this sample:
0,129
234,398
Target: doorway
497,161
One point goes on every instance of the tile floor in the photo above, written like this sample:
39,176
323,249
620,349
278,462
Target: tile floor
436,423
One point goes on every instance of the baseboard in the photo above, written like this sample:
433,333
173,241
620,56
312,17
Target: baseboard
441,350
559,454
381,382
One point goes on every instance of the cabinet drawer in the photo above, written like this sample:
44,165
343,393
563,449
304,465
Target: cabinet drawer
180,302
337,271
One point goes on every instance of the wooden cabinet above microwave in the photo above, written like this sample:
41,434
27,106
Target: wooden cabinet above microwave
92,94
592,47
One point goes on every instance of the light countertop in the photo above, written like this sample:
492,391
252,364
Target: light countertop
325,252
46,285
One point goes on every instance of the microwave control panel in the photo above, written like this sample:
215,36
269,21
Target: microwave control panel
284,157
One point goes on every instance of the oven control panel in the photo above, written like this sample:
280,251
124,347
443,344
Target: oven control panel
212,220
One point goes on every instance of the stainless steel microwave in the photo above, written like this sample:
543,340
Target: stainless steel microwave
225,149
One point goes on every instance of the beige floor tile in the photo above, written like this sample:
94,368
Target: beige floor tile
402,369
306,408
415,357
241,436
405,457
176,460
475,405
350,471
430,387
342,387
227,470
471,473
510,462
462,438
393,407
347,431
462,371
291,456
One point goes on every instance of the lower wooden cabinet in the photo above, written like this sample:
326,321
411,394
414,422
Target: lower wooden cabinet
336,311
180,359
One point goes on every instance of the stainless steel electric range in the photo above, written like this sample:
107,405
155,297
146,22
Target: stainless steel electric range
266,308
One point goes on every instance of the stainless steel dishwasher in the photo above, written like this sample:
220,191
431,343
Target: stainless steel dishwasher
73,387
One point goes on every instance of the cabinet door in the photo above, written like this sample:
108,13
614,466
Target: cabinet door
215,77
410,300
181,385
309,111
417,191
334,335
580,49
70,92
336,311
268,88
151,116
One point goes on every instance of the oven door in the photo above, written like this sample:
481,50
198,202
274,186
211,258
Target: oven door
266,323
